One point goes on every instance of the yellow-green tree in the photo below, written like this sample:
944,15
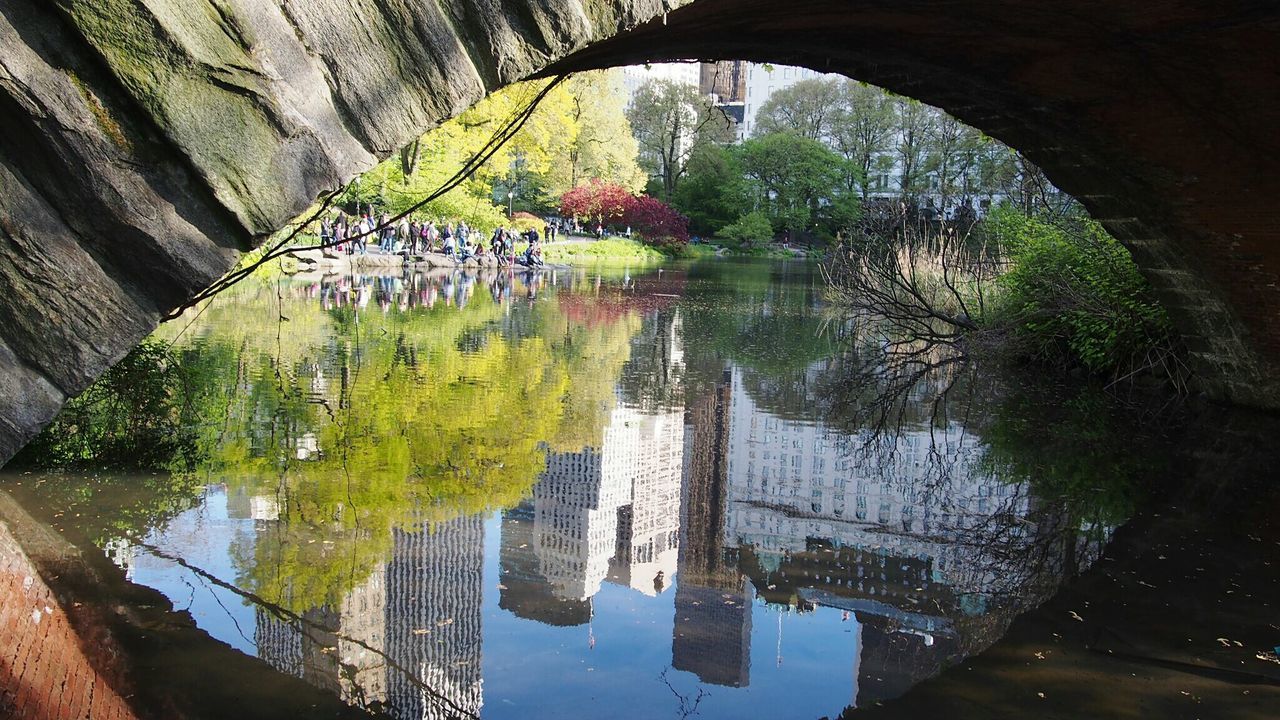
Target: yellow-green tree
577,132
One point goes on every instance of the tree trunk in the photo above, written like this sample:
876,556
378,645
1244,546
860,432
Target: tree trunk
409,158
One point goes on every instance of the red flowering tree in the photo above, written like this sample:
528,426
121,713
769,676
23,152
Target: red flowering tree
610,204
656,222
597,201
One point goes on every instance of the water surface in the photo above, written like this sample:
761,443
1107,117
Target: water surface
557,495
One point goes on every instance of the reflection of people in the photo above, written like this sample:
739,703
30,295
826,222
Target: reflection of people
658,583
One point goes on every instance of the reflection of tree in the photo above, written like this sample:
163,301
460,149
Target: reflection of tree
764,317
653,377
357,423
1072,452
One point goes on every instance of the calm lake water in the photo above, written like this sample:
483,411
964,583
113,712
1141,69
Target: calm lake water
588,494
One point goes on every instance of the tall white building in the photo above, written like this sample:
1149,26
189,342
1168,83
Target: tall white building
633,76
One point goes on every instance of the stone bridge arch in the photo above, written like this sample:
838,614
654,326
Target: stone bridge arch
144,143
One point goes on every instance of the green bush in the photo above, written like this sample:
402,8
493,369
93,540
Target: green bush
1074,294
752,227
131,417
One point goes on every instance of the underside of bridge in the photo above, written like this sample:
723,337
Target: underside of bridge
145,143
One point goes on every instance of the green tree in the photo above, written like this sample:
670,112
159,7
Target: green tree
864,129
713,192
798,180
604,147
750,228
578,131
670,121
809,108
954,152
915,124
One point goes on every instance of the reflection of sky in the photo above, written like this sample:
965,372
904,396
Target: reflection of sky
621,675
536,670
203,537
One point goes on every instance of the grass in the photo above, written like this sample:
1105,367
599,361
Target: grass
611,250
700,250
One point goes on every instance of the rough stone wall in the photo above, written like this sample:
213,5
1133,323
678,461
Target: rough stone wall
44,672
144,143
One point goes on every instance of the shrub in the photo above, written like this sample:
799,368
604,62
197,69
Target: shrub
598,201
129,418
656,222
1074,293
523,222
752,227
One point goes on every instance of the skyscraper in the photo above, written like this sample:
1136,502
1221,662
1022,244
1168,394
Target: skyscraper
725,79
434,593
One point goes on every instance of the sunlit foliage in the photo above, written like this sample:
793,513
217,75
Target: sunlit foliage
577,133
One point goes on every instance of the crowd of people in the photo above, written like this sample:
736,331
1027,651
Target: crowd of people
407,236
419,290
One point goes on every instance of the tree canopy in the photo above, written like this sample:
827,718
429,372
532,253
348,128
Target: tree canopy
670,120
577,133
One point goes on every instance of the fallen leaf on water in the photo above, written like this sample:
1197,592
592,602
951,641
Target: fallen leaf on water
421,631
1076,616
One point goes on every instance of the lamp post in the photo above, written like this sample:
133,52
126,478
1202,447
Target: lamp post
511,203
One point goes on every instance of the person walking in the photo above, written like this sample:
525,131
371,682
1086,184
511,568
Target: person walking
340,234
363,228
388,233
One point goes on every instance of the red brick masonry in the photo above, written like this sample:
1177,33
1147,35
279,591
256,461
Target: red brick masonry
44,672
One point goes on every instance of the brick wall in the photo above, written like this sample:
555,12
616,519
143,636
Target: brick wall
44,671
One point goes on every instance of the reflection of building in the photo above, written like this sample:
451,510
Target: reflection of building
122,553
712,631
614,511
407,638
337,649
362,646
704,493
524,590
896,537
791,481
434,593
576,505
649,526
712,634
243,506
